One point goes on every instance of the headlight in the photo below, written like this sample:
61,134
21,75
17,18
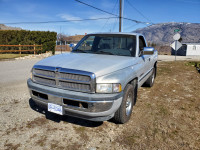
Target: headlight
108,88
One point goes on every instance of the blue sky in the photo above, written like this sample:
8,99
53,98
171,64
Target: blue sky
158,11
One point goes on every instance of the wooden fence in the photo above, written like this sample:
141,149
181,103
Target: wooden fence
20,50
62,48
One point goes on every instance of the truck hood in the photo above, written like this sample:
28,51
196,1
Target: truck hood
96,63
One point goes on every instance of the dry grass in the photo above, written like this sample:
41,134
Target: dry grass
163,50
167,116
11,56
37,122
82,131
41,141
10,146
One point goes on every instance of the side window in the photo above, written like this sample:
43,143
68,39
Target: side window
142,44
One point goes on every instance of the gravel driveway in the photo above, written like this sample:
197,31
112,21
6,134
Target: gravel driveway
23,126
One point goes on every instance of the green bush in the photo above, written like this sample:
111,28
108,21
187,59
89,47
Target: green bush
12,37
49,46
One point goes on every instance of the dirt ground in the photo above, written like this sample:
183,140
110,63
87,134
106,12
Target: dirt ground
166,116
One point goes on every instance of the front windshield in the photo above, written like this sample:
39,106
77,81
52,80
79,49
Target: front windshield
108,44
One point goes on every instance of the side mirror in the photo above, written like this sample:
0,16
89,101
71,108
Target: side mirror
148,51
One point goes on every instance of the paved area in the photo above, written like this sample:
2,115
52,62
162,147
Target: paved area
16,71
172,58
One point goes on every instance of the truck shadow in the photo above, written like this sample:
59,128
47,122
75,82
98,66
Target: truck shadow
65,118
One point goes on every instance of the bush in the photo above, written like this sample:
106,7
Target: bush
12,37
49,46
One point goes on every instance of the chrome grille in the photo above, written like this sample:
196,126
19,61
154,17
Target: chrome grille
44,80
75,86
74,77
65,78
45,72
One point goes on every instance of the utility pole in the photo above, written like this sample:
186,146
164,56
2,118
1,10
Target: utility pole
120,15
121,6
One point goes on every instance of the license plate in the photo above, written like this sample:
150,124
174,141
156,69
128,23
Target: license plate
55,108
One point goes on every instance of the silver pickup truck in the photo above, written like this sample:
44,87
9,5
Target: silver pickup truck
98,80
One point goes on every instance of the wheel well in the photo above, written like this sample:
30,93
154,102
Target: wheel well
155,66
134,82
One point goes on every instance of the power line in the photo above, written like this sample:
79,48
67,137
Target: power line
138,11
97,8
131,26
108,19
136,21
116,19
73,20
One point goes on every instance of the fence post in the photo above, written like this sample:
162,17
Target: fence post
20,52
34,49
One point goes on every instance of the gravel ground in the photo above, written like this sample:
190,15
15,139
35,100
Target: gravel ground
23,127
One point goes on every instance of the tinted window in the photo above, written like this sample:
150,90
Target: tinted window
122,45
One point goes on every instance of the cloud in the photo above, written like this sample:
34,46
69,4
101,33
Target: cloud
79,31
111,20
69,17
81,27
97,23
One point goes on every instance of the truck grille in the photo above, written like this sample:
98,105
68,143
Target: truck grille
70,79
45,72
75,86
74,77
44,80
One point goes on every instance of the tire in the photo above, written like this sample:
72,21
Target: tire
123,114
151,79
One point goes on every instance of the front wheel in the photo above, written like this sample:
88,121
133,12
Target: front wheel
123,114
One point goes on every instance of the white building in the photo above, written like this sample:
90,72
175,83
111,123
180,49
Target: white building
193,49
188,49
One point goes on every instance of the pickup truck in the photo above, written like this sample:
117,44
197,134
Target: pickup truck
98,80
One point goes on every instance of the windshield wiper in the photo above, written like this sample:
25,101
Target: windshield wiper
103,52
78,50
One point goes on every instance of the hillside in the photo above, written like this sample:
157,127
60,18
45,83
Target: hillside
4,27
162,33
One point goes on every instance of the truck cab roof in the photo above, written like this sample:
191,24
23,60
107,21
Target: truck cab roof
119,33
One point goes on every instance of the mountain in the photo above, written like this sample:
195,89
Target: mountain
4,27
162,33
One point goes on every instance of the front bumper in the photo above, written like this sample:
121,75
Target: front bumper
90,106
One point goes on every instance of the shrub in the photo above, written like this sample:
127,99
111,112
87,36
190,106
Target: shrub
12,37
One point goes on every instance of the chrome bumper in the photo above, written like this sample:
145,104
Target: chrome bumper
96,107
